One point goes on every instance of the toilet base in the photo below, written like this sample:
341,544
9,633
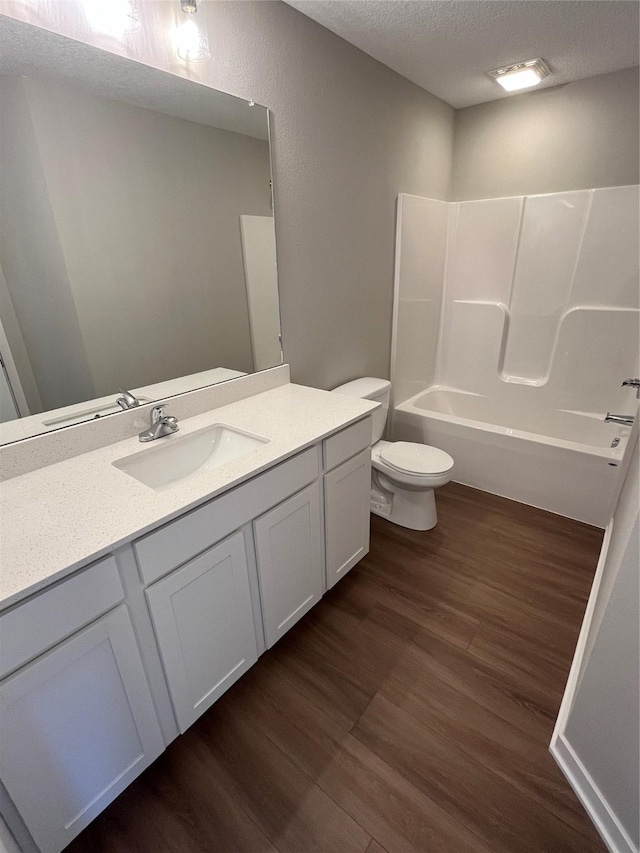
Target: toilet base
412,509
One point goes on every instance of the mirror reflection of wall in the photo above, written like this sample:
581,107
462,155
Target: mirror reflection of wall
121,247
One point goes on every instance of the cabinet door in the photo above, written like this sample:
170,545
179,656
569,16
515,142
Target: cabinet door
203,620
77,725
289,550
347,491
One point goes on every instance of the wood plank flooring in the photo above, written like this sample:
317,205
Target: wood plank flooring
411,710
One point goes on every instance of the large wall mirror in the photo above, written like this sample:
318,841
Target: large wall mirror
137,242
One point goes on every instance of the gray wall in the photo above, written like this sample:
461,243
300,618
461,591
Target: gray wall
349,135
577,136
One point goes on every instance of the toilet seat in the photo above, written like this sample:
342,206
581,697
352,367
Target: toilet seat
420,460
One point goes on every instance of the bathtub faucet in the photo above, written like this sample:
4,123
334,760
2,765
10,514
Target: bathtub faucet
627,420
634,383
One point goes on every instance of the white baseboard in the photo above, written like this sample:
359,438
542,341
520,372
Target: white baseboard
596,806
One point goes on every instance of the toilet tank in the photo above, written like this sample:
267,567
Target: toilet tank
370,388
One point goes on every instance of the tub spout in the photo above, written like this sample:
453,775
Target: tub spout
627,420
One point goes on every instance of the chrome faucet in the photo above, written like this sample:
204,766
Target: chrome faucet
127,401
627,420
160,425
634,383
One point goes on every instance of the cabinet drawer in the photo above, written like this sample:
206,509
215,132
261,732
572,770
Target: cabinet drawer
191,534
346,443
57,612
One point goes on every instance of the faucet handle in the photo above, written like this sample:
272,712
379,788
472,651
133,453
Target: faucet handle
157,413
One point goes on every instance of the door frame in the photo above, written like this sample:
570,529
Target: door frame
8,364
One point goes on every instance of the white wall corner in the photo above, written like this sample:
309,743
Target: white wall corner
596,799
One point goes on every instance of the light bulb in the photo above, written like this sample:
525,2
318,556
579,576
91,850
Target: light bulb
116,17
191,40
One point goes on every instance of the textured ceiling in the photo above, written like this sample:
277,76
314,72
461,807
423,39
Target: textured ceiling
447,46
35,52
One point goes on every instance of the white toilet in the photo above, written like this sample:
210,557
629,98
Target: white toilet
403,474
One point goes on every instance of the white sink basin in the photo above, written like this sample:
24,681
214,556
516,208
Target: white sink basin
177,458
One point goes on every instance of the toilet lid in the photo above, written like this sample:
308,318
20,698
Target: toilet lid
416,458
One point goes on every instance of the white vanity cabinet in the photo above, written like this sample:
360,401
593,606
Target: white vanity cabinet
245,565
158,632
347,518
77,723
203,619
347,490
289,553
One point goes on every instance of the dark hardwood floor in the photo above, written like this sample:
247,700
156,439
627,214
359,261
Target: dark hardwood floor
411,710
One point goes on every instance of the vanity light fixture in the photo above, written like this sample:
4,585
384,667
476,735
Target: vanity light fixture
522,75
115,17
192,41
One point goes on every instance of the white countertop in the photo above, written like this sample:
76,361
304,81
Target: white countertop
58,518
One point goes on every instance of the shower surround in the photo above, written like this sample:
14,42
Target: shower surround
515,322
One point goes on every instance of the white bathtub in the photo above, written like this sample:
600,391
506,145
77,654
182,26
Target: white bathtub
561,461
